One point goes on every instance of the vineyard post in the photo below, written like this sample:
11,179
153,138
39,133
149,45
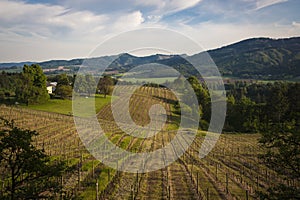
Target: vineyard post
132,191
117,168
226,183
61,184
79,169
97,191
78,174
243,169
137,181
216,171
241,180
143,163
93,168
247,195
207,193
192,171
251,188
197,182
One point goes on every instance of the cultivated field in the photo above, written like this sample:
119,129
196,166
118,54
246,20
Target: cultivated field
231,171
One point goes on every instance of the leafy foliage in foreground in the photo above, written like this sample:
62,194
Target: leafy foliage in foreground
282,142
28,173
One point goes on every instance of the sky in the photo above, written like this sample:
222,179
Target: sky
38,30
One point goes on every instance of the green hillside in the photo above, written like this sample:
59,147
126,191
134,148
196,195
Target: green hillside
260,58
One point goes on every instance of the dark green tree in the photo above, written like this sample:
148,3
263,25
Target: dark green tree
80,85
203,97
105,85
64,91
63,88
32,87
27,172
91,84
63,79
85,84
278,102
8,84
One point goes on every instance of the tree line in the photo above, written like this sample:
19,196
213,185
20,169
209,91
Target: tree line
255,107
30,86
251,107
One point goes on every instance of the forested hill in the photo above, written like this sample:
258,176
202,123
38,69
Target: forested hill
256,58
259,57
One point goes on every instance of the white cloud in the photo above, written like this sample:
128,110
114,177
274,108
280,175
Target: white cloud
40,26
168,6
129,21
265,3
46,20
154,18
296,24
56,22
147,7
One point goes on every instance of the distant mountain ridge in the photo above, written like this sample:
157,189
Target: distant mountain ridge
259,56
15,64
251,58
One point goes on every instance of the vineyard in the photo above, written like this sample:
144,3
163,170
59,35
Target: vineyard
231,171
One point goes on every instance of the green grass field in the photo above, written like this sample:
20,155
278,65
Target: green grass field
151,80
65,106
